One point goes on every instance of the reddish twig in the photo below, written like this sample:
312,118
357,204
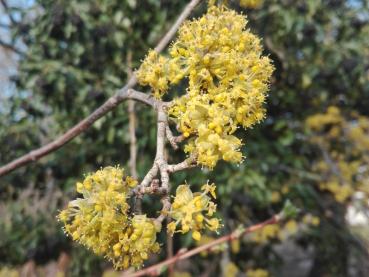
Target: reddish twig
157,268
122,95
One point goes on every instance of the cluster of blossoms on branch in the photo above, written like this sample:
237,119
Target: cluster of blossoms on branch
193,211
100,219
227,83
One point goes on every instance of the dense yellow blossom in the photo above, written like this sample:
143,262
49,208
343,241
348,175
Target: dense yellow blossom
344,143
100,220
227,83
193,211
154,72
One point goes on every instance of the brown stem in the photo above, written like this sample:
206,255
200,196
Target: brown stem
132,125
132,139
173,140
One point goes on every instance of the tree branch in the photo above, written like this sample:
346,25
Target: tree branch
132,125
7,10
181,255
10,47
125,93
110,104
173,140
187,163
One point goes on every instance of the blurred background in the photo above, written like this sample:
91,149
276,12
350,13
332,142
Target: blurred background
59,60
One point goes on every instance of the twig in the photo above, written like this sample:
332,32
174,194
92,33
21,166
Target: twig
154,188
155,269
162,162
10,47
132,138
132,125
173,30
7,10
6,26
110,104
125,93
173,140
188,163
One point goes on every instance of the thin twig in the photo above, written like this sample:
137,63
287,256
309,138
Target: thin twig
173,140
132,125
10,47
109,105
125,93
8,11
155,269
188,163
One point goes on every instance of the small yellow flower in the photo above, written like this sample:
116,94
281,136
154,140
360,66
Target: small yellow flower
213,224
188,211
209,188
196,235
79,187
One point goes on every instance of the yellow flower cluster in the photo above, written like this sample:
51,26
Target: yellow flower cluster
100,220
193,211
318,122
251,4
154,73
227,83
345,143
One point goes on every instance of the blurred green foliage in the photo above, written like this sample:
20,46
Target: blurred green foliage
77,56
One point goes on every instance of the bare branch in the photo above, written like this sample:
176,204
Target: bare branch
34,155
172,31
5,26
110,104
132,125
164,211
188,163
8,12
10,47
173,140
154,188
181,255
